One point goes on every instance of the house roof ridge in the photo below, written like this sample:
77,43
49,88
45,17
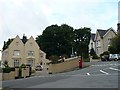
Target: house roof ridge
102,32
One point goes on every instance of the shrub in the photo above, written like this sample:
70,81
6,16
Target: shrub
33,71
86,60
6,70
23,66
12,69
85,55
95,56
106,53
54,58
5,63
65,55
101,54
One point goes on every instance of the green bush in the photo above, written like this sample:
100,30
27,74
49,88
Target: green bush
6,70
23,66
33,71
54,58
95,56
86,60
85,55
12,69
104,53
5,63
65,55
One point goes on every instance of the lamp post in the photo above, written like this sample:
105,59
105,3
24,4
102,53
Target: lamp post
72,53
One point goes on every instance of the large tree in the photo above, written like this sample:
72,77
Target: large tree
82,39
56,40
62,40
7,43
115,45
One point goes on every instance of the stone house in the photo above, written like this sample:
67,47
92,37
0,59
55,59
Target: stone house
102,40
24,51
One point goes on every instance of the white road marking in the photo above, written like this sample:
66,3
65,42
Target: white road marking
114,69
88,73
104,72
106,65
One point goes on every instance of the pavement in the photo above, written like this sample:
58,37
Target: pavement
98,75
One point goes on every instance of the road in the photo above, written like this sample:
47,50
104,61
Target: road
98,75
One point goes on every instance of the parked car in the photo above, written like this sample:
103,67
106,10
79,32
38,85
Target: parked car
38,68
118,56
114,57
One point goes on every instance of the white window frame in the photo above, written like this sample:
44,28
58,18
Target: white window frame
30,62
30,53
109,41
16,53
16,63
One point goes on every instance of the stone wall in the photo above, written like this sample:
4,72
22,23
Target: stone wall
16,74
64,66
8,76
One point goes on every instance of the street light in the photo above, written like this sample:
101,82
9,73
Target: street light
72,55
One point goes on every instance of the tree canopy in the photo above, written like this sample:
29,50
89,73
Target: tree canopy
56,40
82,39
115,45
6,44
59,40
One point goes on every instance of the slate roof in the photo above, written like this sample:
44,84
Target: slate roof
92,36
102,32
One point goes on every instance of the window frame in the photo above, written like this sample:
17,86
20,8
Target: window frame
16,63
16,53
30,53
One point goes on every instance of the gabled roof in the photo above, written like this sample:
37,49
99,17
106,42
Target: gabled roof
102,32
93,37
111,29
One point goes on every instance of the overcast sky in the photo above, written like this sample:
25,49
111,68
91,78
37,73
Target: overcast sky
31,17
